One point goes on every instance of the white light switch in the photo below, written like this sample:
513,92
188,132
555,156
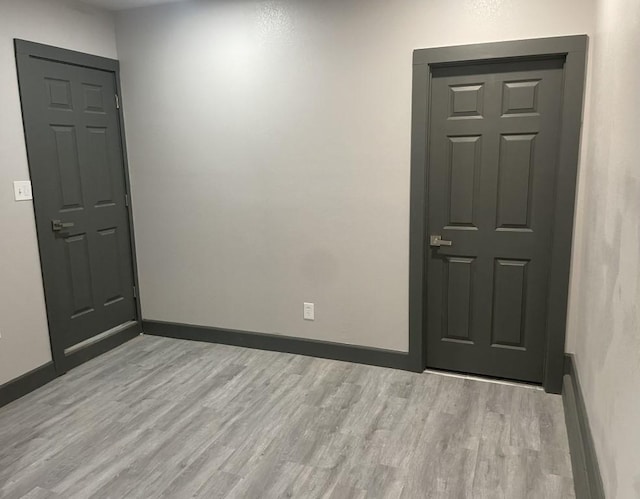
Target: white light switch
22,190
309,312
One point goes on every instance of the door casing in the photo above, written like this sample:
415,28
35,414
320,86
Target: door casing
24,50
573,49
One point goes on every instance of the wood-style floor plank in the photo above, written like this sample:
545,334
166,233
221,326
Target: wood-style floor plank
164,418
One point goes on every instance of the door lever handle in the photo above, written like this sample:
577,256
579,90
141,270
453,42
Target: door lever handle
58,225
436,240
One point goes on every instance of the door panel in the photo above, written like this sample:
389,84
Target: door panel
458,276
77,171
514,181
492,160
464,156
509,302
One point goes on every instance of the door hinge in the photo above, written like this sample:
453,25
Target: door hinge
126,199
117,102
135,292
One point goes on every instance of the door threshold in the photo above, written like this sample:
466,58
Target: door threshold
495,381
99,337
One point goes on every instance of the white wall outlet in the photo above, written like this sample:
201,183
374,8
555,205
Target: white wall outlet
309,311
22,190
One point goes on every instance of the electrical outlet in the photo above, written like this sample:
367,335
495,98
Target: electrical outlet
308,311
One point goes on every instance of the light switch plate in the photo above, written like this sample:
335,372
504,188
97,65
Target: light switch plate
22,190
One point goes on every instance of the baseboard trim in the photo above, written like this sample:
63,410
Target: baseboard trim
586,472
27,383
42,375
277,343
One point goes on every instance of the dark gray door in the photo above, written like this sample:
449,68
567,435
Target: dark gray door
77,171
494,132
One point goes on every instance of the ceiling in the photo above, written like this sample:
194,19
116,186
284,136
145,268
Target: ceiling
126,4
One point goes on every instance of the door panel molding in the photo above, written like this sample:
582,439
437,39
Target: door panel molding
93,101
522,100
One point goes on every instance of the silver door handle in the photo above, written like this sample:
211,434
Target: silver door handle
57,225
436,240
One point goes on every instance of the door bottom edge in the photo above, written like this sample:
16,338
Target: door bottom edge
485,378
99,337
96,348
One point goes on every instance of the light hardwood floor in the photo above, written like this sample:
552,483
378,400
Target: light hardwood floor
168,418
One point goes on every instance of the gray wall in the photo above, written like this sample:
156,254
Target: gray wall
24,342
604,324
269,145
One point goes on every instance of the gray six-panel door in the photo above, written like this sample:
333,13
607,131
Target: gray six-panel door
493,152
77,171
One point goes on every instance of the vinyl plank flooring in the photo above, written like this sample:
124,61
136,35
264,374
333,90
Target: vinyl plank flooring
165,418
